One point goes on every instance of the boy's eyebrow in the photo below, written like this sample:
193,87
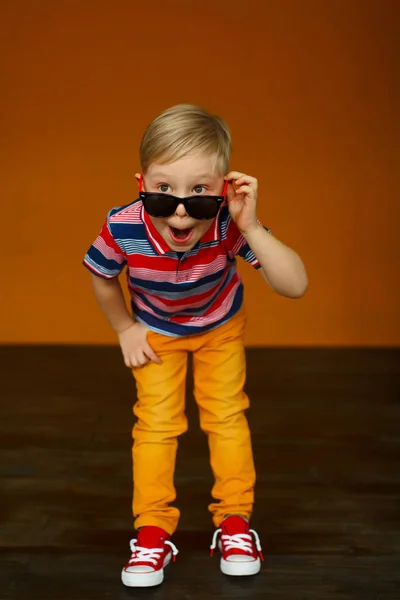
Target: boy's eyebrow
159,174
203,176
163,175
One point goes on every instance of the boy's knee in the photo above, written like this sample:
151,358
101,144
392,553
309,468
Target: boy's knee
159,429
224,421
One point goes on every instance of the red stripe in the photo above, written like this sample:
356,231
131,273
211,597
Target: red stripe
194,300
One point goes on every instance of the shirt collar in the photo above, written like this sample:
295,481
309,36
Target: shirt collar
212,235
161,246
156,239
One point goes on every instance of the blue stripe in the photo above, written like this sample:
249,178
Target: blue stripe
128,231
95,272
104,264
177,292
135,246
166,286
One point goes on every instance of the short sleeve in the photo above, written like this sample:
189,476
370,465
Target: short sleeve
237,244
104,257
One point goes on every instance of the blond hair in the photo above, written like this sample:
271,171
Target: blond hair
183,130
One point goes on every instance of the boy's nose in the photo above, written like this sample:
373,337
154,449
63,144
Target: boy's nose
181,210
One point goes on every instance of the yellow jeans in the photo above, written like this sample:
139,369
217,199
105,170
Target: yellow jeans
219,376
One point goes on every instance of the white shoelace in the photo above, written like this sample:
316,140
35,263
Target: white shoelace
151,555
239,541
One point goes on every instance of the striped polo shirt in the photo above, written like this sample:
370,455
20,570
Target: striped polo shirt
173,293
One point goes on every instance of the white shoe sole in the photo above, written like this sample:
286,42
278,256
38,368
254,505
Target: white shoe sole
143,579
240,569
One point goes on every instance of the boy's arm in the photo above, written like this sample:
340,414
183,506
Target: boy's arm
110,297
106,260
281,267
132,335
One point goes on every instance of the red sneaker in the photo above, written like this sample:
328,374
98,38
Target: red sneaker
151,552
240,547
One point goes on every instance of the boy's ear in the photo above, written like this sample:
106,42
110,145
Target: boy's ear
139,179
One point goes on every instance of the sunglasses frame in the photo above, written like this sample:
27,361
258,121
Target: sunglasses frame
185,201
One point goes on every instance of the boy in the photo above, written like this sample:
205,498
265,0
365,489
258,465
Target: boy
179,241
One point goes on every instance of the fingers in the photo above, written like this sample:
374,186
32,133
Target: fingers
149,352
127,361
141,357
233,175
241,178
245,189
135,360
136,350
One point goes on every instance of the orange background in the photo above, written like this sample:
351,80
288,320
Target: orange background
310,91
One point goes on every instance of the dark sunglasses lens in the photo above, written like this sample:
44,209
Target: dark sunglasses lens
202,207
159,205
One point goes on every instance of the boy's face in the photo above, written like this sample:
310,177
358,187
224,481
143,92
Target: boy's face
189,176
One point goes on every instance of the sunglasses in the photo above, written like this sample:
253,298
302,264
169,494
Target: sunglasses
158,204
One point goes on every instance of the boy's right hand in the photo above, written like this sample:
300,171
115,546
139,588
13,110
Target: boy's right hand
135,347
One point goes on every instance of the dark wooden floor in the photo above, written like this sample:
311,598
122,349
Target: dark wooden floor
326,434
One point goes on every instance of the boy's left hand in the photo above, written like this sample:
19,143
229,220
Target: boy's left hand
242,200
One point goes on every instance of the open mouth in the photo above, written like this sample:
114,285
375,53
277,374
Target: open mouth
181,236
